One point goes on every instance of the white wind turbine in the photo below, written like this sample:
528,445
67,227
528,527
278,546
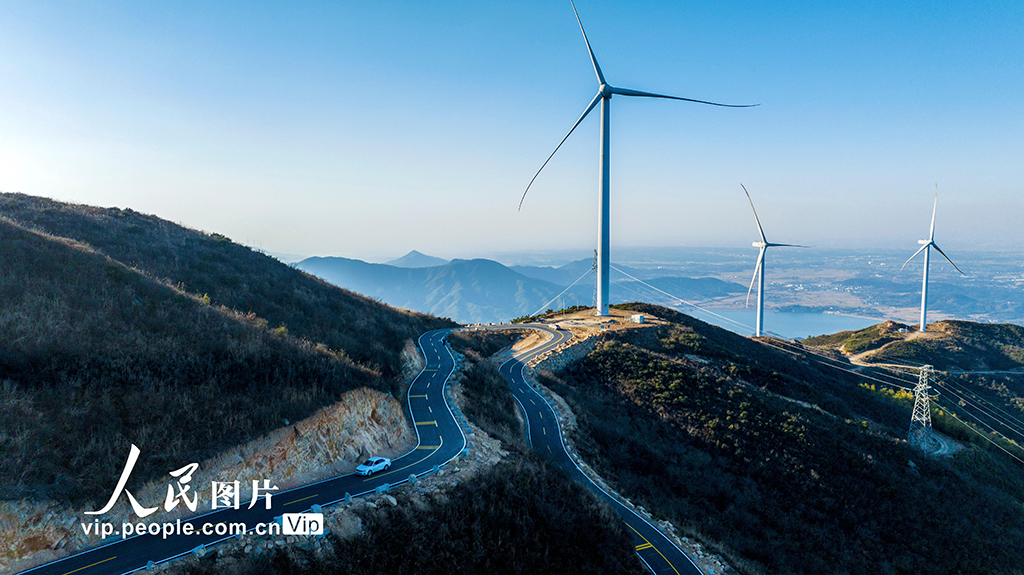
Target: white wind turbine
604,95
759,267
929,243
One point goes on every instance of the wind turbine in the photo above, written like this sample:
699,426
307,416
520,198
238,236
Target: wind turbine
759,267
604,95
929,243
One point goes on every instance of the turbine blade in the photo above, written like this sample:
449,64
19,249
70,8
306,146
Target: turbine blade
931,234
638,93
593,59
590,107
759,228
947,258
922,248
788,246
757,268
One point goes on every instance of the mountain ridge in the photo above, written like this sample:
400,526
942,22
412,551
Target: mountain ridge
415,259
469,291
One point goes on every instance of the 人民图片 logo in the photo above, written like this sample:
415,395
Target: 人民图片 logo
223,495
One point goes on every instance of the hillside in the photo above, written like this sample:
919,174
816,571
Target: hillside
468,291
96,354
947,345
983,365
780,464
231,275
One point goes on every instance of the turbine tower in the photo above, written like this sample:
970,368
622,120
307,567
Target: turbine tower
759,267
929,243
605,91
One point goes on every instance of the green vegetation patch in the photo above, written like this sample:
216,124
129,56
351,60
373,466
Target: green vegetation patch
949,345
872,337
962,345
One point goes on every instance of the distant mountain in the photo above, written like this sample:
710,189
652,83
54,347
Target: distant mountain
562,275
468,291
415,259
570,272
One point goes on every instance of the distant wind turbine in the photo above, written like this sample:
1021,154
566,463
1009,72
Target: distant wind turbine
604,95
759,267
929,243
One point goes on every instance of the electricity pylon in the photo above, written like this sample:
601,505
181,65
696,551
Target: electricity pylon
920,434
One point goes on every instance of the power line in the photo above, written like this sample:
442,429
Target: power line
980,399
987,438
769,342
947,410
833,363
772,343
965,402
678,299
543,307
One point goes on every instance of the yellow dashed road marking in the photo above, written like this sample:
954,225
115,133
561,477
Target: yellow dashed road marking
93,565
303,499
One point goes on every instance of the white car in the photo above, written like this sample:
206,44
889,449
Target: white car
372,465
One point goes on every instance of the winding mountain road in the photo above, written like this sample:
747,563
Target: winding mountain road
660,554
439,440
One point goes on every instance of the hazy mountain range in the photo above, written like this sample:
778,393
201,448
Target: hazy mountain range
485,291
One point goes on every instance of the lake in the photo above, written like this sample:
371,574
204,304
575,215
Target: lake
782,324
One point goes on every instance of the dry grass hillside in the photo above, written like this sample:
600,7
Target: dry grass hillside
232,275
780,464
949,345
180,342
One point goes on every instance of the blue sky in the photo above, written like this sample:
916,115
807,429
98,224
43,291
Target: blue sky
369,129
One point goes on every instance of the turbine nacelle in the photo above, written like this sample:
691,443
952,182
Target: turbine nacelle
606,90
924,242
760,244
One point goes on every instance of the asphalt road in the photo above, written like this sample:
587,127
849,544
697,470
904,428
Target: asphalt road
440,439
654,548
